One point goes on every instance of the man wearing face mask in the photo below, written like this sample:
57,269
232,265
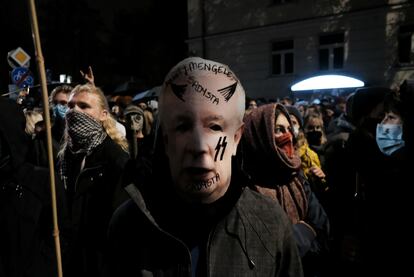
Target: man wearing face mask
59,99
91,160
391,139
193,215
377,148
134,121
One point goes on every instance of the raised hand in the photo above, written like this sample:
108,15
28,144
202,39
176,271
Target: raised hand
88,76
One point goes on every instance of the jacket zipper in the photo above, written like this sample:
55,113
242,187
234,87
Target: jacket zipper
82,172
210,235
188,266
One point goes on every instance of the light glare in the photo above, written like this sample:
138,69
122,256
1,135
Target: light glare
327,82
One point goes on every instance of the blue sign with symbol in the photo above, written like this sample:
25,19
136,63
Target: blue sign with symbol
22,77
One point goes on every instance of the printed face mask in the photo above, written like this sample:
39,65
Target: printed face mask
201,123
389,138
85,132
60,111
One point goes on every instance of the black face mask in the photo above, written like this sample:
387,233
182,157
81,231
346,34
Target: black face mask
314,137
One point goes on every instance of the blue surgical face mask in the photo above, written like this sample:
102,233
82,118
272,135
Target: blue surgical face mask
389,138
60,111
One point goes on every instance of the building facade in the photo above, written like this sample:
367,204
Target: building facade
272,44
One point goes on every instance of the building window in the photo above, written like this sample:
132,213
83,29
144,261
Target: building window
406,45
282,57
331,51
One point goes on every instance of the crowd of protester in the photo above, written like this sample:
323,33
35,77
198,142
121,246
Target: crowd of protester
317,188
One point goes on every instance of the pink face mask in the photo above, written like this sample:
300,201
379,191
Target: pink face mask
285,142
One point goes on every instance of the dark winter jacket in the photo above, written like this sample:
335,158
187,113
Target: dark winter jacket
93,195
153,234
26,229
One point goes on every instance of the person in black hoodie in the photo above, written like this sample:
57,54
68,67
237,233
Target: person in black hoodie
91,159
379,157
26,241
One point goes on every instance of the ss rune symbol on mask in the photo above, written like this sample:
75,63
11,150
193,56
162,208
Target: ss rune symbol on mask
219,146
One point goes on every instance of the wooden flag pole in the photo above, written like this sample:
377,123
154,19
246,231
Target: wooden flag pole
42,73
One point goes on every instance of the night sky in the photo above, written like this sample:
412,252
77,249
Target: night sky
122,40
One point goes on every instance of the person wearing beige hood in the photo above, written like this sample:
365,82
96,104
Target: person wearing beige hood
274,167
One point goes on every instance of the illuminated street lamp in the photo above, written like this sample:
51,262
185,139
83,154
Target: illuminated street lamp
327,82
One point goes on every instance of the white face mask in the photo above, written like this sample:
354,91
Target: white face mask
389,138
296,131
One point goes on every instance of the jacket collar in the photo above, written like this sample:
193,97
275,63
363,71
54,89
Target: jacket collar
138,199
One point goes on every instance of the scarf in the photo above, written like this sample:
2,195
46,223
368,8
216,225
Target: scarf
84,132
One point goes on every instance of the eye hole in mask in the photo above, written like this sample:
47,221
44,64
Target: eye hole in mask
136,122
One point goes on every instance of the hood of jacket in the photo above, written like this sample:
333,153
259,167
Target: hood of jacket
261,155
